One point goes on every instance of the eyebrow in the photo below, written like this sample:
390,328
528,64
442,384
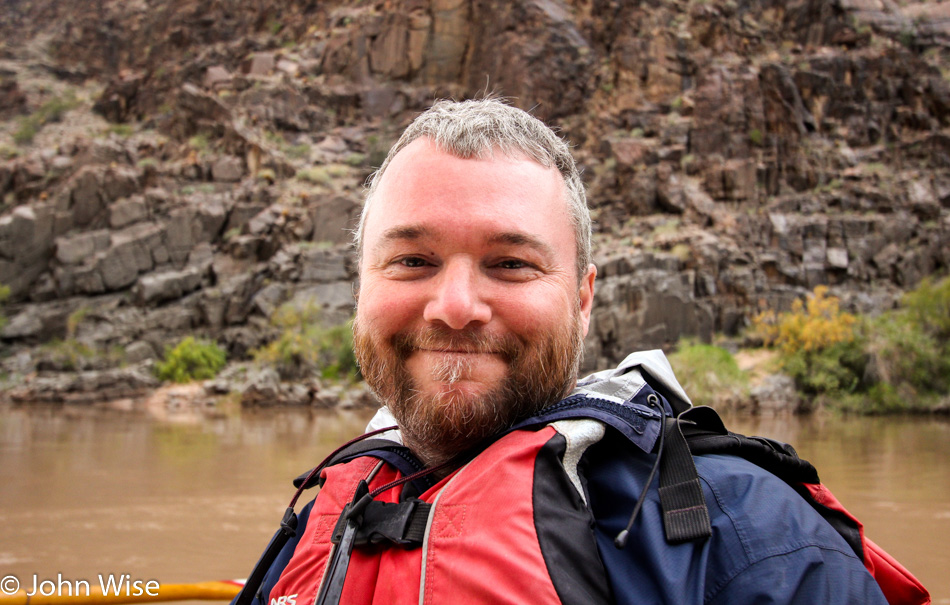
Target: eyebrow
402,232
510,238
518,238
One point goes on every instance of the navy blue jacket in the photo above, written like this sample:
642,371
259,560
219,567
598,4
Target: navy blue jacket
768,545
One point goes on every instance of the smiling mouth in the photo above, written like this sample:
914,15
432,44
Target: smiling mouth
445,343
458,351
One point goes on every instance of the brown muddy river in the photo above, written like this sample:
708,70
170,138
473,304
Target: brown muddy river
184,498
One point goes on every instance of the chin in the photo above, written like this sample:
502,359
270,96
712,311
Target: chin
464,388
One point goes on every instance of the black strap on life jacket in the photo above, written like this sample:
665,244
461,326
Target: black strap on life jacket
699,430
685,515
399,523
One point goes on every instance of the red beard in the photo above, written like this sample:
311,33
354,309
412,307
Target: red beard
439,426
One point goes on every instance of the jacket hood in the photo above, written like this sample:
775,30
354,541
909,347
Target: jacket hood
623,382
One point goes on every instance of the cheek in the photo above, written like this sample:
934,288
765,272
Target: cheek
537,313
387,309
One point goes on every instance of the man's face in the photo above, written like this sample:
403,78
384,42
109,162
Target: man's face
470,313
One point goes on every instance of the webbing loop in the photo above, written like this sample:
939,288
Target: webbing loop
685,515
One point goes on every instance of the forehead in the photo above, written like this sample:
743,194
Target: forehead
425,187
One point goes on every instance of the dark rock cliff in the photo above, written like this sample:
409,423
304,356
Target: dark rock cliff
737,153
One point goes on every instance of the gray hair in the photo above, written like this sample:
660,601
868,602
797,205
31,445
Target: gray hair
473,129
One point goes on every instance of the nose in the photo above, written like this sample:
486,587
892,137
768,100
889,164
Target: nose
457,300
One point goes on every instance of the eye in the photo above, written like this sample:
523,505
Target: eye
514,270
512,263
413,261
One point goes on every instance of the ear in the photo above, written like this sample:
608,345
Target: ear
586,293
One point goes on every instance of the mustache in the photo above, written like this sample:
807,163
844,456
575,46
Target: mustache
440,338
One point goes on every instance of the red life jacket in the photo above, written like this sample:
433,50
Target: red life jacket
899,586
468,556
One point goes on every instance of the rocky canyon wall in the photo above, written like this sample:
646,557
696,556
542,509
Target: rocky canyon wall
211,155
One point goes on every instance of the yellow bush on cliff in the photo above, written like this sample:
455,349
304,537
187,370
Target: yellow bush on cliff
818,344
811,326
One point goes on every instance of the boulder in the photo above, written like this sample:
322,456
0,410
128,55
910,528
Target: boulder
85,202
331,296
266,300
82,279
124,212
119,182
133,250
630,152
334,219
283,106
215,76
26,324
291,68
102,152
81,247
199,108
212,215
139,351
168,285
179,236
651,308
775,394
262,387
228,169
26,246
322,265
117,103
259,64
118,266
837,258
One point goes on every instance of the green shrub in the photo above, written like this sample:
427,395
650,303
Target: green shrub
191,360
300,152
834,370
819,345
315,174
50,111
121,130
337,342
710,375
68,355
305,347
928,306
909,347
4,295
200,143
355,159
26,131
756,137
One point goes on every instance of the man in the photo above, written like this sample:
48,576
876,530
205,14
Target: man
475,294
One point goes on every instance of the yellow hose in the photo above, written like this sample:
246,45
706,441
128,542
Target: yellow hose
202,591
